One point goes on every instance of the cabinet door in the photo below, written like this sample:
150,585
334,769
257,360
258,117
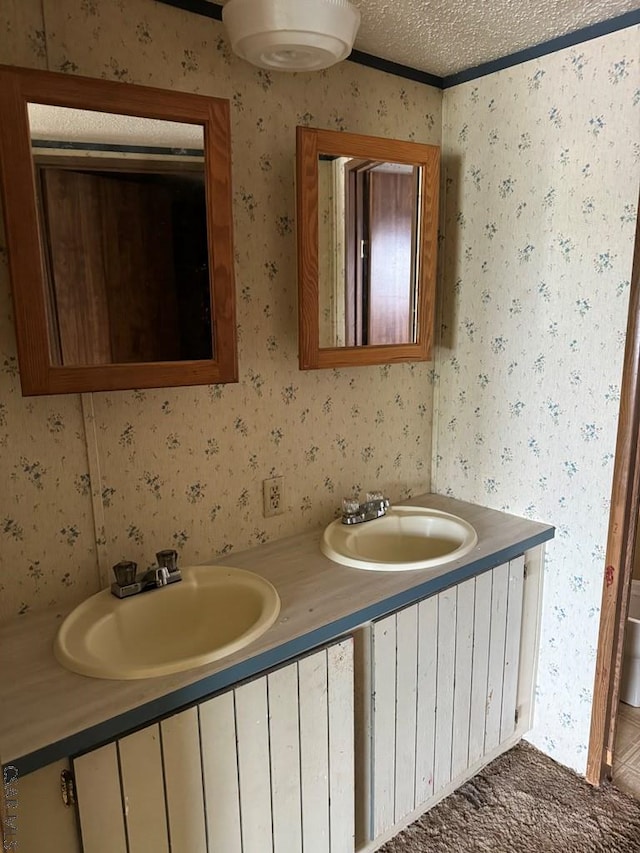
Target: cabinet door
444,690
100,802
37,819
265,768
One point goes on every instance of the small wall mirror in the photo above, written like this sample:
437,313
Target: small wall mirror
367,248
118,217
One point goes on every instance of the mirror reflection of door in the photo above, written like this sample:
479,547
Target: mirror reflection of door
127,265
381,203
368,259
123,223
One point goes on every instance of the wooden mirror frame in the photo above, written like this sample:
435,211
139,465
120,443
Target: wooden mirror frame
310,143
38,373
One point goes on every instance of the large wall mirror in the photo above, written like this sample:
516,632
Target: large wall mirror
117,204
367,248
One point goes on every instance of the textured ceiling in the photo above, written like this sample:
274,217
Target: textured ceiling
443,37
446,36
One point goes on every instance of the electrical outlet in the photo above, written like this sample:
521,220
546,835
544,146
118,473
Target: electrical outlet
273,496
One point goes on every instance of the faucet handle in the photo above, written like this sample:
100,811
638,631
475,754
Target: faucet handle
350,506
125,572
168,559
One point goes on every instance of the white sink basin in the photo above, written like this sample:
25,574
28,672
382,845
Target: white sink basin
212,612
406,538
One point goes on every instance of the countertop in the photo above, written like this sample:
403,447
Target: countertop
48,713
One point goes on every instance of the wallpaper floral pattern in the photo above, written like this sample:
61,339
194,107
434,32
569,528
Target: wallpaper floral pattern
96,479
542,163
48,552
541,167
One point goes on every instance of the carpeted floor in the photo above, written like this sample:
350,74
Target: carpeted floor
524,802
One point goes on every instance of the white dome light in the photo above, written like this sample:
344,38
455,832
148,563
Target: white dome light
291,35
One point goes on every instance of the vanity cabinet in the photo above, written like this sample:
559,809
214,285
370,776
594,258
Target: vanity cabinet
332,752
264,768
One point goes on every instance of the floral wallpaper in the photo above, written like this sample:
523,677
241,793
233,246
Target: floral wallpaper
48,552
94,479
541,166
542,163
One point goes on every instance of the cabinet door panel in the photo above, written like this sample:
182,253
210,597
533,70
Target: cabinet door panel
220,773
480,665
314,753
341,747
444,688
512,648
253,766
426,704
267,767
406,687
447,601
44,822
462,688
183,782
284,742
499,596
100,801
384,723
143,791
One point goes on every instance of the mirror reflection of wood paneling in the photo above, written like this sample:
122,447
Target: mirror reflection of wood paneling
126,265
78,326
111,260
141,272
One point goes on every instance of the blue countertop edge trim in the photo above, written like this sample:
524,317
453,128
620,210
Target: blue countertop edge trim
203,689
602,28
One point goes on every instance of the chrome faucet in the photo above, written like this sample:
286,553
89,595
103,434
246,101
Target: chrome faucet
128,582
374,506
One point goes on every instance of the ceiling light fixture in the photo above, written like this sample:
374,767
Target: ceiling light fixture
291,35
